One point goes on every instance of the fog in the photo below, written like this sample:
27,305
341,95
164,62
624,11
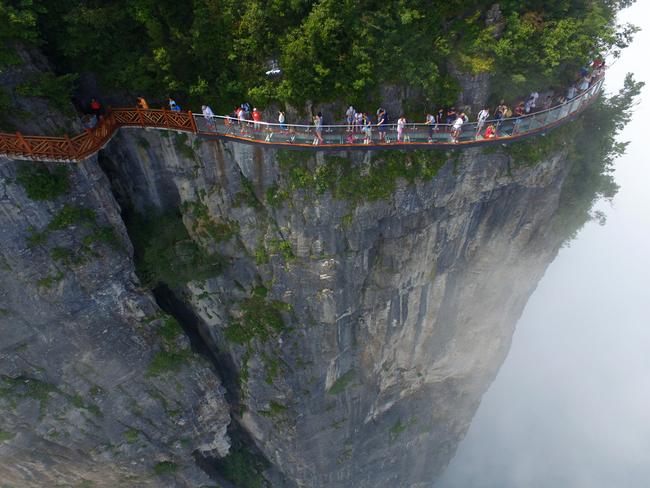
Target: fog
570,406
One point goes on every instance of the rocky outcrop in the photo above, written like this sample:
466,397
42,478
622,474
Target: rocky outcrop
98,386
25,87
396,308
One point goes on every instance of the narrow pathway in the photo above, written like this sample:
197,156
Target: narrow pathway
334,137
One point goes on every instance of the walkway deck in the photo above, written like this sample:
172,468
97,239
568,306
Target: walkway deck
335,137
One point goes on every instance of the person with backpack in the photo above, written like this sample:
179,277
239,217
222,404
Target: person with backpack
173,106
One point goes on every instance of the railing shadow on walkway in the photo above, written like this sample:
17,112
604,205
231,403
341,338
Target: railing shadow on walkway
334,137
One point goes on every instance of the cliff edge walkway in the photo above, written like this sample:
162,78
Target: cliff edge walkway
291,136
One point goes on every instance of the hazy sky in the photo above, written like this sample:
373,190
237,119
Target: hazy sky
571,404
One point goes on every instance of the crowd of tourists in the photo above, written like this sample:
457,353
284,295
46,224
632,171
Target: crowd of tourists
360,125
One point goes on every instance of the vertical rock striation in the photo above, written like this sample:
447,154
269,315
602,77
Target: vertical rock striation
363,328
98,387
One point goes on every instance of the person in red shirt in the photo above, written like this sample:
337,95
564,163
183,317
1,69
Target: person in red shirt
490,132
95,107
257,117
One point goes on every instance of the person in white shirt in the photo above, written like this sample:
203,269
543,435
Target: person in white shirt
208,114
430,121
480,122
401,125
350,117
456,128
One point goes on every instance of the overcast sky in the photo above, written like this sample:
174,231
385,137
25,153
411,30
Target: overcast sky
571,404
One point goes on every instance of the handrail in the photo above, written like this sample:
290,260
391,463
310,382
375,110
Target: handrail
336,136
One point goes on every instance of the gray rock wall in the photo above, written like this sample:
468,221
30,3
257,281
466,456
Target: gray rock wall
399,311
98,387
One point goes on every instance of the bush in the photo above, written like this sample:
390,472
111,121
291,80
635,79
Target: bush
70,215
165,467
260,319
341,383
41,184
166,361
242,468
165,253
55,89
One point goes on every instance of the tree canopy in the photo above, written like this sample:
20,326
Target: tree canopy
219,50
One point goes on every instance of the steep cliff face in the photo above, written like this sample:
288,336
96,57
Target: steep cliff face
361,316
98,387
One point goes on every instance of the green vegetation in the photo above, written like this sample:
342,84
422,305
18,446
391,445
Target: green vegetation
246,196
272,367
95,391
183,147
50,280
165,467
275,409
204,225
70,215
14,389
283,247
42,184
342,382
354,182
169,330
36,238
165,253
104,234
18,23
6,436
173,356
593,149
62,254
397,428
261,256
243,468
77,401
168,361
131,435
55,89
261,319
275,196
327,50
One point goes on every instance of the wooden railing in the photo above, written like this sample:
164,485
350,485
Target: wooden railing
92,140
72,149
